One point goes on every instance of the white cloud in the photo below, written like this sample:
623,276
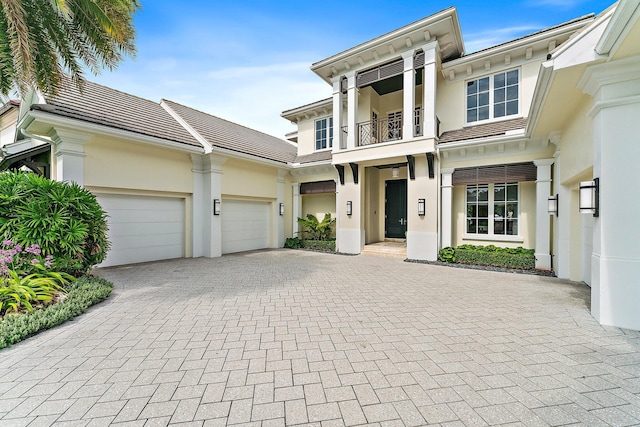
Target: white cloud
484,39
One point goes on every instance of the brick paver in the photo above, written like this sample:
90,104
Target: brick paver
282,337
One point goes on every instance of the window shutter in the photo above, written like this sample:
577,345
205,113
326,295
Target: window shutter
368,77
318,187
418,60
517,172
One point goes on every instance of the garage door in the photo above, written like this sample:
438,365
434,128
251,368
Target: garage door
143,228
245,226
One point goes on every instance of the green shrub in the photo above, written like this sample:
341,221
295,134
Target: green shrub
319,245
317,230
82,294
64,219
447,254
292,243
491,255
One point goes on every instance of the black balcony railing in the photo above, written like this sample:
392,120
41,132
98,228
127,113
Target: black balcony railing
379,130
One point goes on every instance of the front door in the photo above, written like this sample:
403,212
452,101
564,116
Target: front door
395,209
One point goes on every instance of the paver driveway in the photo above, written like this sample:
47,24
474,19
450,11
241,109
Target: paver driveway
289,337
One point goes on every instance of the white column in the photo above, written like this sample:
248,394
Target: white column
280,218
543,219
338,136
70,155
562,229
297,208
447,204
352,110
207,227
615,264
197,210
429,82
409,95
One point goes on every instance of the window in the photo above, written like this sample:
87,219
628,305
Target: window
324,133
493,209
493,97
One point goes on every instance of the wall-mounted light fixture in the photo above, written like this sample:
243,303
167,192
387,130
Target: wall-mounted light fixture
349,208
395,172
216,206
421,207
590,197
281,209
553,205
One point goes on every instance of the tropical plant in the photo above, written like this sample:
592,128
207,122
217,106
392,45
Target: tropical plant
82,294
65,220
21,293
317,230
447,254
40,40
292,243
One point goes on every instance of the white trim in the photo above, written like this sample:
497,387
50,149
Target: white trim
187,127
600,105
618,27
478,142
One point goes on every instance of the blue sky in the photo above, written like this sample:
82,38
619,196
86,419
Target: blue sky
248,61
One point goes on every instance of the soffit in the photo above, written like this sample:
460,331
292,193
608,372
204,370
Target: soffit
562,101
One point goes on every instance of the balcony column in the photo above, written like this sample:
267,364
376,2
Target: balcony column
429,82
409,95
543,219
352,110
338,137
447,203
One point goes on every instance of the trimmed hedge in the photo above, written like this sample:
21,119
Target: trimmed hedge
519,258
82,294
319,245
314,245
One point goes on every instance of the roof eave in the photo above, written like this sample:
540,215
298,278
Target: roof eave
518,43
396,35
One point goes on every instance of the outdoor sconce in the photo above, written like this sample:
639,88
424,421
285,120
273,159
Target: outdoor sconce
421,207
349,208
281,209
553,205
395,172
590,197
216,206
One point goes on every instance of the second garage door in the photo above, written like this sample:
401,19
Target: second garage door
245,225
143,228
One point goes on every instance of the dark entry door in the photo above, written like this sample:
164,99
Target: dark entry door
395,209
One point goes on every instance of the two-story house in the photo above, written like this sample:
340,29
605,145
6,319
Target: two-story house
529,143
443,148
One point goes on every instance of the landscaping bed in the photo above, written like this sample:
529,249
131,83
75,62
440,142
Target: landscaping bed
81,294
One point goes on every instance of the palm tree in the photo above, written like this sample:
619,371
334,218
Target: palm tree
40,40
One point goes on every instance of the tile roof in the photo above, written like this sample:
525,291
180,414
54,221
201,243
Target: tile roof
483,131
231,136
9,105
314,157
109,107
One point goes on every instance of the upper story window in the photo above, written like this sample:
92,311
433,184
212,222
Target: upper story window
493,97
324,133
